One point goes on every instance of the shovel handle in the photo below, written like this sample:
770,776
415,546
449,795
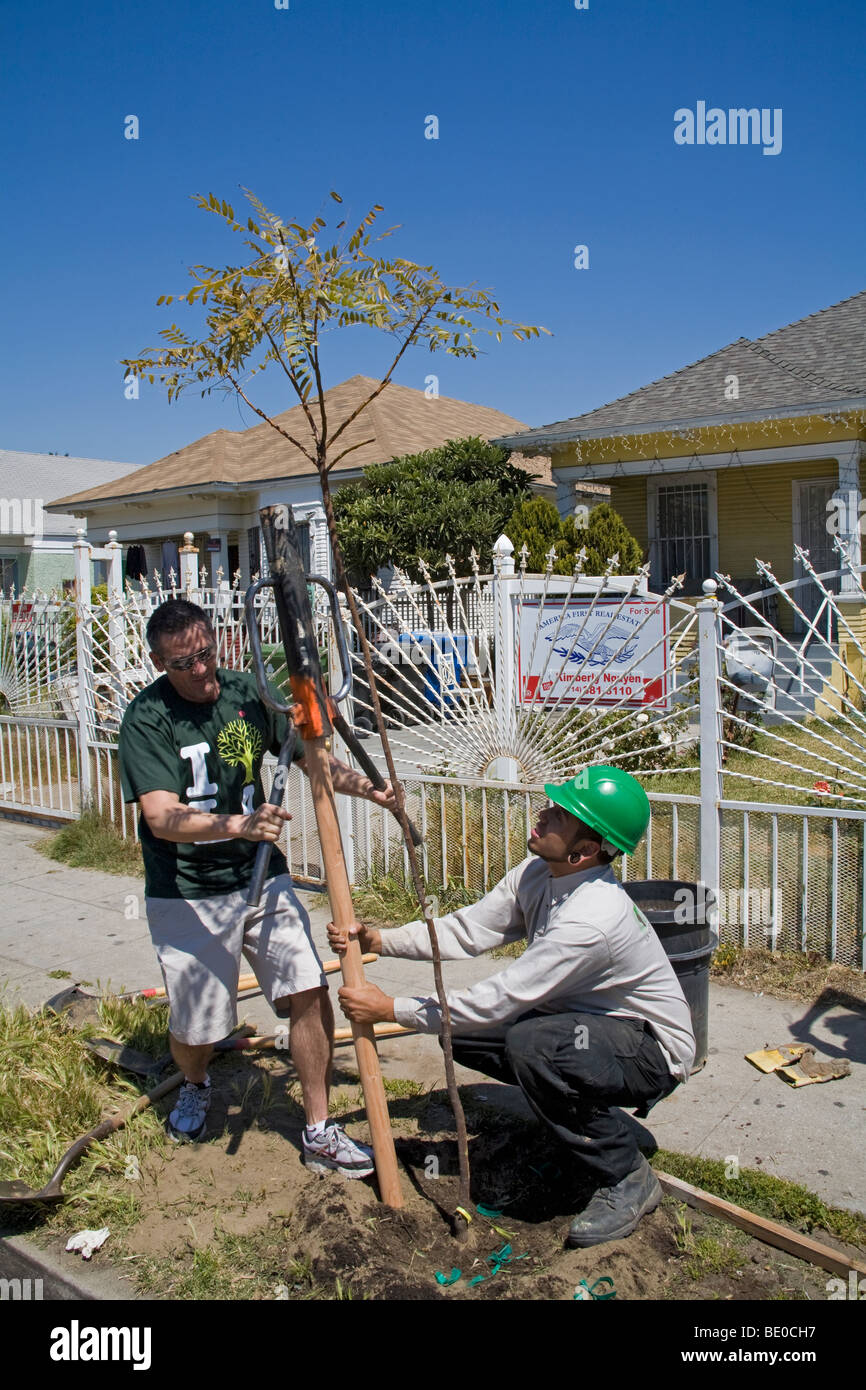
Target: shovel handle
113,1123
278,787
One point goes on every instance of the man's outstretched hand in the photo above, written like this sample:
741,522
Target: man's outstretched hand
368,1004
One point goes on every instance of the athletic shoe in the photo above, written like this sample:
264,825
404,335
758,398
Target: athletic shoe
614,1212
188,1118
335,1152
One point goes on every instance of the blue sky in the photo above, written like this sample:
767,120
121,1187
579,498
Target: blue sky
556,128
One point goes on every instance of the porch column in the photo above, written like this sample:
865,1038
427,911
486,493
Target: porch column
851,628
847,504
565,493
320,545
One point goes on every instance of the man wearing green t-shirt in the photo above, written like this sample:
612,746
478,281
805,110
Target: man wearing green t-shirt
190,749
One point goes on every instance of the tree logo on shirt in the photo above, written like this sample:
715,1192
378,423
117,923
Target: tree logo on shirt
239,744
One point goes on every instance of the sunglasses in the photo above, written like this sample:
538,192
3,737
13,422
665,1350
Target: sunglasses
205,656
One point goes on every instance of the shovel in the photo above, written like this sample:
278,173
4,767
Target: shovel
142,1064
126,1058
17,1193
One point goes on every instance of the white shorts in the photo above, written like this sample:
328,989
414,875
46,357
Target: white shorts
199,942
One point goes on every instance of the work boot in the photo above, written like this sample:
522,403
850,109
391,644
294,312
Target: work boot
614,1212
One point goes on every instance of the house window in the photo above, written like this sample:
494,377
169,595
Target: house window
256,556
303,530
8,574
682,540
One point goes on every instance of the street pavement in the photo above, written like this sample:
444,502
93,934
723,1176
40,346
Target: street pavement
92,925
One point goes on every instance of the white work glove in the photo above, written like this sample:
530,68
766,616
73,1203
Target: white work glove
88,1241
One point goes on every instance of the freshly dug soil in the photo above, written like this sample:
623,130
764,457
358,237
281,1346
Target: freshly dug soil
249,1181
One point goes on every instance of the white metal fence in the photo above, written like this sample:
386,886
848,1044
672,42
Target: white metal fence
755,759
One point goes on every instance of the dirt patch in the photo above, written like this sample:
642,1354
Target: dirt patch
239,1217
790,975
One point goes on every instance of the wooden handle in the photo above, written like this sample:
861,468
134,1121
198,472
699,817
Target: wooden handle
113,1123
271,1041
381,1030
317,765
249,981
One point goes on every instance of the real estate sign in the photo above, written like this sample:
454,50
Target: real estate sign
615,654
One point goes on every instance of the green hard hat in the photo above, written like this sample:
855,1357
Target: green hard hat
608,800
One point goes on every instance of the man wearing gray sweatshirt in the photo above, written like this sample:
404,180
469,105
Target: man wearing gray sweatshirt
590,1017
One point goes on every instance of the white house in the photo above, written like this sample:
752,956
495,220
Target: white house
35,543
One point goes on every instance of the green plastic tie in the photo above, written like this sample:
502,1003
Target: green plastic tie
448,1278
590,1290
490,1212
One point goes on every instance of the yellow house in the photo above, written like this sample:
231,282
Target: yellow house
743,454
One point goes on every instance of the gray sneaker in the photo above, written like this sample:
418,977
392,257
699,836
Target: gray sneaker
335,1152
187,1120
614,1212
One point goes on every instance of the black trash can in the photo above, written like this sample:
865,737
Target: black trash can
683,916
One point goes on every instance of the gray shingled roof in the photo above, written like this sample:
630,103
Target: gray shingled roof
818,360
48,476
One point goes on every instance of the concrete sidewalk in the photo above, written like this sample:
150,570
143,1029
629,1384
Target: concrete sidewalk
93,925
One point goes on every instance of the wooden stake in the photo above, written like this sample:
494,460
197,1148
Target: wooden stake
317,766
311,717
